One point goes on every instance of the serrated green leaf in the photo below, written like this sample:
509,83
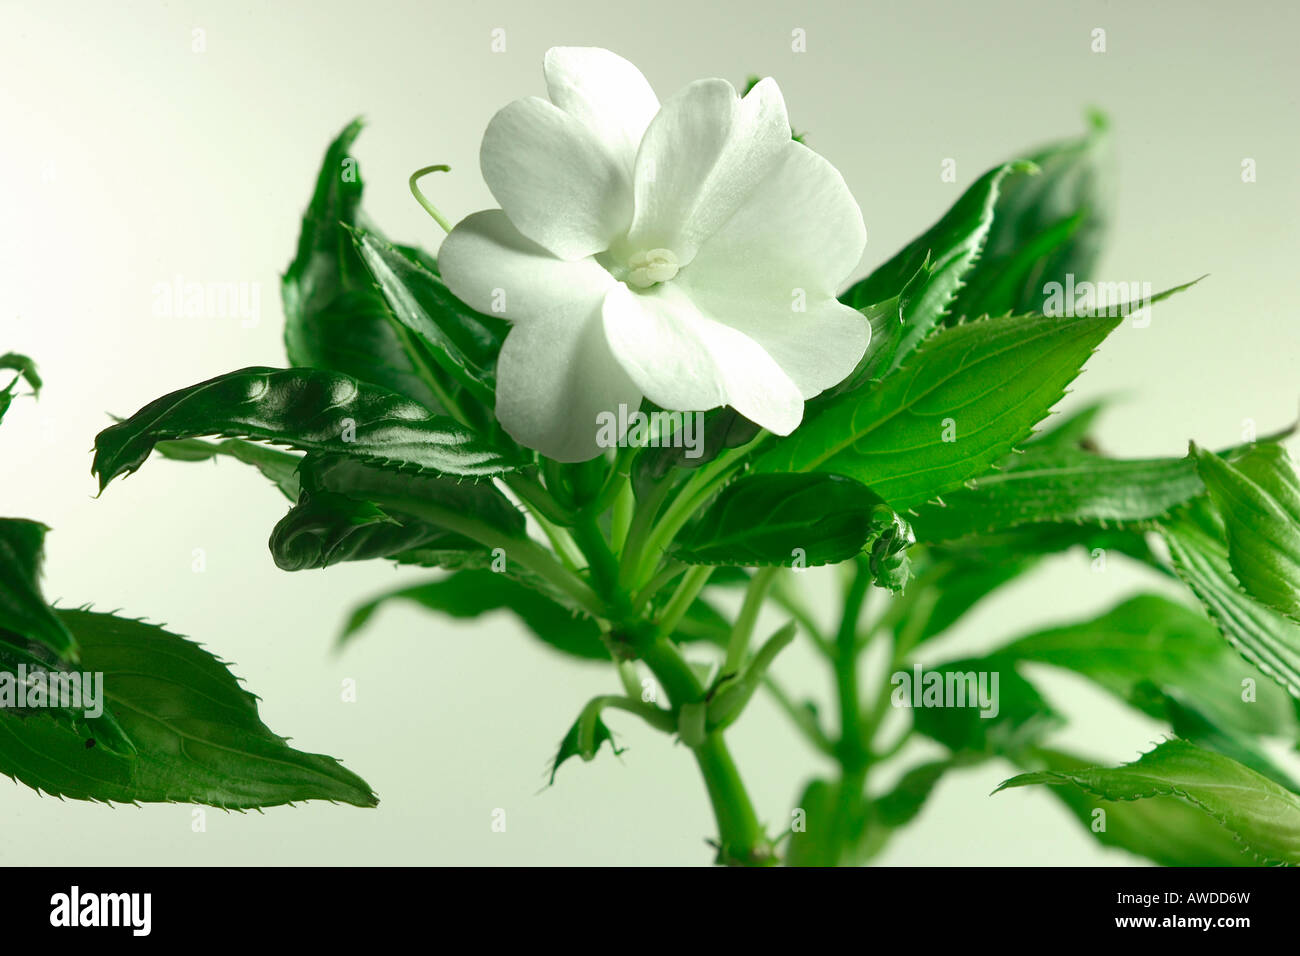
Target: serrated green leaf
197,733
1199,550
944,255
1058,485
306,409
1045,227
1165,830
983,385
280,467
1259,499
470,593
781,519
1263,815
584,739
334,317
465,343
24,615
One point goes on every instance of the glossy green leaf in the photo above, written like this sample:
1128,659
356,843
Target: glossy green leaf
1264,637
1259,499
1166,830
465,343
279,466
335,319
943,255
351,511
24,615
196,731
982,386
306,409
782,519
1045,227
1055,484
470,593
1263,815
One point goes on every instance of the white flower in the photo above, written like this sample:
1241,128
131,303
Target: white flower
688,253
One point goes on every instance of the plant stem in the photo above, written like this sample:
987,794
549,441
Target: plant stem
744,626
852,748
683,598
741,840
524,550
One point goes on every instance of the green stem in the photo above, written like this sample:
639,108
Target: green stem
692,583
745,620
852,746
524,550
741,840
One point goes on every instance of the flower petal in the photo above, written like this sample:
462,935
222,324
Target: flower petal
700,158
685,361
554,379
491,267
773,268
555,178
606,92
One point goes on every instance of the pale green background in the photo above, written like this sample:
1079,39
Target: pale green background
128,158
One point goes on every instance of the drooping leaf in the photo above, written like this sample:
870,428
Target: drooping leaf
24,615
943,255
465,343
334,317
1013,717
964,400
26,369
782,519
1265,638
196,732
352,511
962,573
584,740
470,593
1263,815
1150,639
1045,228
1166,830
306,409
1259,499
279,466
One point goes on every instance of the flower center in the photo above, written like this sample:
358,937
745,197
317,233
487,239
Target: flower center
651,267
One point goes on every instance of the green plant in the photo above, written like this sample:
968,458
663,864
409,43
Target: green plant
926,474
